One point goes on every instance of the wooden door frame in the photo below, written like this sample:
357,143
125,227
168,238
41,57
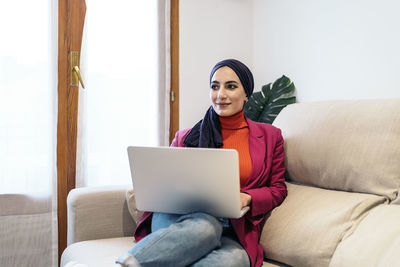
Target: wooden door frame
174,48
71,19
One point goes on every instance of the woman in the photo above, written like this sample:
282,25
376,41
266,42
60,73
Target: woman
199,239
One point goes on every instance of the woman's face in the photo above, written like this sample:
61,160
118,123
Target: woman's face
227,93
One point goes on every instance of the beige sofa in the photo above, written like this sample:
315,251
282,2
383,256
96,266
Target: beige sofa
343,168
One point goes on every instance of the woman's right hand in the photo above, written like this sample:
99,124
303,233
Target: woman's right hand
245,200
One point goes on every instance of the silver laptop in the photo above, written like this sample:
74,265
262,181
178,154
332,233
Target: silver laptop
183,180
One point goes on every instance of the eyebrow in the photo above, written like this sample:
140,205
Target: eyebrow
226,82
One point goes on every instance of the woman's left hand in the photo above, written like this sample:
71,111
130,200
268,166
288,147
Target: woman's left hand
245,200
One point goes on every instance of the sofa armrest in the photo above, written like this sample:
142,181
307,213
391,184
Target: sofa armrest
98,212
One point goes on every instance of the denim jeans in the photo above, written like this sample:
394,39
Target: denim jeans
195,239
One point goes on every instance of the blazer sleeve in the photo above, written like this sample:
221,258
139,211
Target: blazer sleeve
175,141
180,137
266,198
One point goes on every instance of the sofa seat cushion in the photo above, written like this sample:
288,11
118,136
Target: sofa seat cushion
350,145
97,253
306,229
104,252
271,263
375,242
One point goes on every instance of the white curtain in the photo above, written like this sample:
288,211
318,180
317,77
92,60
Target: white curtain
164,66
28,64
125,64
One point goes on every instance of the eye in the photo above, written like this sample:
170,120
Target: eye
231,86
214,86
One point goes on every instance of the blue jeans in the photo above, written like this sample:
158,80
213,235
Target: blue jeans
194,239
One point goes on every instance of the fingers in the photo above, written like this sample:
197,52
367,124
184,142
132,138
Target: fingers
245,200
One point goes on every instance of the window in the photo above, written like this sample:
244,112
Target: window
120,104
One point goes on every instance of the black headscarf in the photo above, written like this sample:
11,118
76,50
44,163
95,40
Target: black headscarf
207,132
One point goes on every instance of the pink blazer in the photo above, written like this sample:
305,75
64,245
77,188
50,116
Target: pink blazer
266,186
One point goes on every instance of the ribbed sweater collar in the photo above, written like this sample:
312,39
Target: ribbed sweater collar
233,122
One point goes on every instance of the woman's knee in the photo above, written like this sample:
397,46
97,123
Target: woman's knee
234,253
230,253
239,258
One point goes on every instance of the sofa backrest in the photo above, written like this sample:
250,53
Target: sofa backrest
350,145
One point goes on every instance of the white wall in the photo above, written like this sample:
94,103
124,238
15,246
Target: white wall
210,31
331,49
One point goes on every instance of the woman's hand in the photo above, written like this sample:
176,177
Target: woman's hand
245,200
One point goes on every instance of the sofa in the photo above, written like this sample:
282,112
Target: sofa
342,208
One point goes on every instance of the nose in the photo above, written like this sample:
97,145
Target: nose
221,93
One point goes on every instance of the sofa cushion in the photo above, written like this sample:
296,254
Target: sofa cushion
104,252
99,253
271,263
375,242
345,145
306,229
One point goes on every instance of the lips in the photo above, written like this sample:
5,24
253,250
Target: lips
223,104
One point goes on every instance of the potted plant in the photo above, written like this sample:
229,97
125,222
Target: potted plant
265,105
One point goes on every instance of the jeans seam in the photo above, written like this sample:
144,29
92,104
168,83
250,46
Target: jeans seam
167,231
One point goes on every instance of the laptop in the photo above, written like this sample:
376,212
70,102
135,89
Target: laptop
183,180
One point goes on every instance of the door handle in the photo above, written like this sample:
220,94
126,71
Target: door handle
78,73
76,76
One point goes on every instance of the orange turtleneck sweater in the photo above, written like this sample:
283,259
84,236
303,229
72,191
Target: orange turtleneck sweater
235,135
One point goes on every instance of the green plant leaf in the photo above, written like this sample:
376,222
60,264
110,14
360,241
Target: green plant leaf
265,105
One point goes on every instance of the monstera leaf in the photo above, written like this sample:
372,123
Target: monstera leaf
265,105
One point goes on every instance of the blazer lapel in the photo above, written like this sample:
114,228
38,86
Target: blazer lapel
257,149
